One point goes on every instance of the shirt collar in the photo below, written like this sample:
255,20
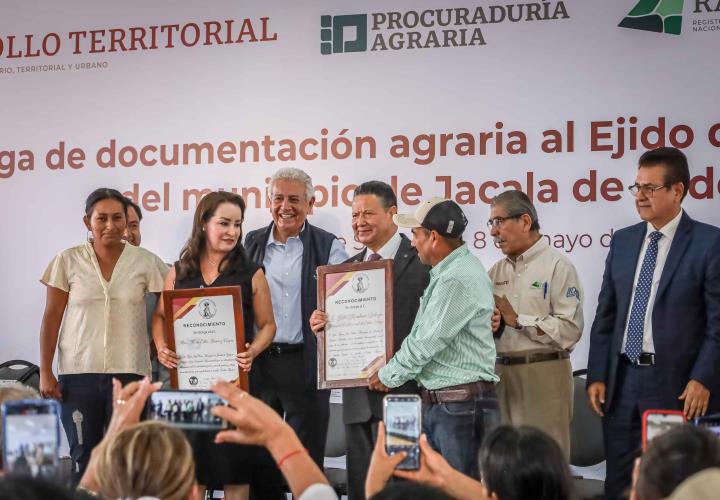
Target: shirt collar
669,229
272,241
531,252
456,254
89,245
389,249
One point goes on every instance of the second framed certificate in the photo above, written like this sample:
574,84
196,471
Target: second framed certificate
358,339
204,326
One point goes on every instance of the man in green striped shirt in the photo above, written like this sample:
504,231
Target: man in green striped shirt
450,351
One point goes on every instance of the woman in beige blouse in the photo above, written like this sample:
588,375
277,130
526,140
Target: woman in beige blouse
95,316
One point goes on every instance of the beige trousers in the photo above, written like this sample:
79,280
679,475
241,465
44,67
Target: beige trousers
539,395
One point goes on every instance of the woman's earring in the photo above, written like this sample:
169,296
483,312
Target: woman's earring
89,235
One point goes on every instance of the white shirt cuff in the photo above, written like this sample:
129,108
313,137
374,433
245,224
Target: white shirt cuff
319,491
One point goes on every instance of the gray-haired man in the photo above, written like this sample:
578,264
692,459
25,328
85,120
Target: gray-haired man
290,249
538,293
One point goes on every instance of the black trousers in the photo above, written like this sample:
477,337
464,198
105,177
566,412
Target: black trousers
278,378
360,439
86,409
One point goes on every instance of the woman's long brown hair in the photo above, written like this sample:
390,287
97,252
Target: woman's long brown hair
189,264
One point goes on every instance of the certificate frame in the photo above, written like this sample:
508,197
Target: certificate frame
323,273
187,295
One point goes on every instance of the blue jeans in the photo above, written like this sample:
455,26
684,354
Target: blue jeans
456,430
86,409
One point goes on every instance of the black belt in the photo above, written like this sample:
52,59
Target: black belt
278,349
456,393
645,359
532,358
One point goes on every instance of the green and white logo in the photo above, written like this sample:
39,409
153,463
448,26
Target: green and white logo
333,30
661,16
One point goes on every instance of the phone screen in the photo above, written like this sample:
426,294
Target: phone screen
186,409
710,422
31,437
402,428
658,423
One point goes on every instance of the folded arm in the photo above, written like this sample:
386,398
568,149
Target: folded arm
563,325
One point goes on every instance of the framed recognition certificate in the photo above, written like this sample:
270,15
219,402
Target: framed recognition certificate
204,326
358,338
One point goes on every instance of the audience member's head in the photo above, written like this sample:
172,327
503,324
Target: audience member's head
673,457
148,459
410,489
701,486
27,488
14,391
523,462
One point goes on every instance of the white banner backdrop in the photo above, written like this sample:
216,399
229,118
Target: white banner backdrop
459,99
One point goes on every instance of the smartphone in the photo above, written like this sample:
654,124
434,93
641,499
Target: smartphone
186,409
710,422
402,415
657,422
31,437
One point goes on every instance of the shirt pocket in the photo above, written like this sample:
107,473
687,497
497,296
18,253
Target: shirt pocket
459,409
535,301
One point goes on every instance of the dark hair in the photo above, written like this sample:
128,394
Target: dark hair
101,194
189,264
675,163
517,203
453,243
523,462
673,457
134,206
382,190
410,489
32,488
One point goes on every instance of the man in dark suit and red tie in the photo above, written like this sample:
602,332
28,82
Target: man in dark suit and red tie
655,341
374,204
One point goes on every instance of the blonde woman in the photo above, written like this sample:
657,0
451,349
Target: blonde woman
150,459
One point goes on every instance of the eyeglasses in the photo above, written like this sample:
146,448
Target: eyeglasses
647,189
499,220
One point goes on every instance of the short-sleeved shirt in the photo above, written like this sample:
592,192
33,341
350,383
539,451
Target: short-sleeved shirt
104,329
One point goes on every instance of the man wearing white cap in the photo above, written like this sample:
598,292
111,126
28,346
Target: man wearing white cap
450,351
